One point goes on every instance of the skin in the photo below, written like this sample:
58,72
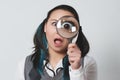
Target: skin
59,46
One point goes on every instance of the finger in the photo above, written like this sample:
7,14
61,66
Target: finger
74,59
74,56
69,51
71,59
71,45
73,51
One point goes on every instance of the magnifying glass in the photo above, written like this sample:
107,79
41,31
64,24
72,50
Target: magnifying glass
67,27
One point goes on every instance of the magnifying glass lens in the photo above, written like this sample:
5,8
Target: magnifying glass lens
67,26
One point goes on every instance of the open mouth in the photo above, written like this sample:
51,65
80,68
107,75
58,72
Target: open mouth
58,41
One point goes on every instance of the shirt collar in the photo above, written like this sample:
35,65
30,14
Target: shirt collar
54,71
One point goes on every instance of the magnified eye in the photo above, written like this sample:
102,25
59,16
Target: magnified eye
67,26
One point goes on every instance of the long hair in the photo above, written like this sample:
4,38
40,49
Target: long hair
40,43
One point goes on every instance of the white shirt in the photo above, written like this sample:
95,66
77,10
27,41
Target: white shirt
88,72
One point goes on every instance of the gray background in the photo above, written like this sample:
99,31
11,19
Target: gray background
100,20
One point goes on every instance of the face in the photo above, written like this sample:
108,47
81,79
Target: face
56,43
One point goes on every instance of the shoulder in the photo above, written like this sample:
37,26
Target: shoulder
23,67
28,58
28,63
23,61
88,60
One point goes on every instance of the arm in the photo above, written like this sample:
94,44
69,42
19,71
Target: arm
88,72
78,71
91,70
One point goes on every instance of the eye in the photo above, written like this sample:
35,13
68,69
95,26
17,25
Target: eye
54,23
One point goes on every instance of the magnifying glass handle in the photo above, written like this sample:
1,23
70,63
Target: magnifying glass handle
73,40
70,40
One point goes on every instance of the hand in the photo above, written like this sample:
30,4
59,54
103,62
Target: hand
74,56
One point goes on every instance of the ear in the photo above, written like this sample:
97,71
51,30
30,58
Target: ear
45,27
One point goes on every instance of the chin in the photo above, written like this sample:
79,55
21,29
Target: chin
61,50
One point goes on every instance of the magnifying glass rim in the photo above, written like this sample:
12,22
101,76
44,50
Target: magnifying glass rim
67,17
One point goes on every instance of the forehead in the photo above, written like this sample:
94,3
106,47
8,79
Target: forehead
59,13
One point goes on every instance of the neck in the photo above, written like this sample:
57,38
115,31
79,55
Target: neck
55,57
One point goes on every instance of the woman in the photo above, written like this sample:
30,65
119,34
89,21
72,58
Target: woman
54,57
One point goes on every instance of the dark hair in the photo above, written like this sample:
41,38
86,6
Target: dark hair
40,43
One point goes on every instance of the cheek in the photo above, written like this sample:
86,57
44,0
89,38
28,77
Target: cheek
50,29
49,34
66,42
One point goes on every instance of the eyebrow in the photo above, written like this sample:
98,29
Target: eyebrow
53,20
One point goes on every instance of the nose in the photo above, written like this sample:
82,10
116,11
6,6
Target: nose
56,30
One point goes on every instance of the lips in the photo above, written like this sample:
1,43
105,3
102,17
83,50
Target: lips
58,42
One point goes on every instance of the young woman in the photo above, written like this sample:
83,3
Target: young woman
55,58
